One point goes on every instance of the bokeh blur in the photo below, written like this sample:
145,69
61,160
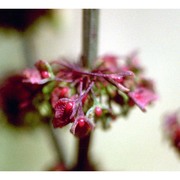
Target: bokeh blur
134,143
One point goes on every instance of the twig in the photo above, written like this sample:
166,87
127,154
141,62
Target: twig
90,36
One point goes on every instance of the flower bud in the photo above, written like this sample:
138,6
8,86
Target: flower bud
63,110
41,65
58,93
81,127
45,74
98,111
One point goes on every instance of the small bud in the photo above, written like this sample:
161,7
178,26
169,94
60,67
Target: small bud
98,111
45,74
41,65
81,122
64,92
58,93
81,127
69,106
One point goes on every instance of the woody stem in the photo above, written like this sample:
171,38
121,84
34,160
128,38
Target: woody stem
89,45
90,36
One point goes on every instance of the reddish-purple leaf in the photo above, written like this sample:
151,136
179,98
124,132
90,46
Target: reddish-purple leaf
142,97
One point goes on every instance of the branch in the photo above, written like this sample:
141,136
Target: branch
90,36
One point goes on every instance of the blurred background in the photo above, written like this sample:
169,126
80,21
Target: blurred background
135,143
